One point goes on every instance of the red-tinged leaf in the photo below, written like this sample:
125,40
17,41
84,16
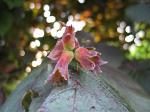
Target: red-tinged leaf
56,52
60,71
89,59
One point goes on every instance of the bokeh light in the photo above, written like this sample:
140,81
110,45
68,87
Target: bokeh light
38,33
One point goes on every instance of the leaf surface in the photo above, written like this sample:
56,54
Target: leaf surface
34,82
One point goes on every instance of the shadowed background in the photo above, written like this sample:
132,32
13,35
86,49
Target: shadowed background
119,29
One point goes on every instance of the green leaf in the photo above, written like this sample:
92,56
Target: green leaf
92,95
6,21
84,93
13,3
35,83
130,90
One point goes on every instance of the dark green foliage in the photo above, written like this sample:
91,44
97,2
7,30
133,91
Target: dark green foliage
6,21
13,3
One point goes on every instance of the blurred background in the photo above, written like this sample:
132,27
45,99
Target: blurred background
119,29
